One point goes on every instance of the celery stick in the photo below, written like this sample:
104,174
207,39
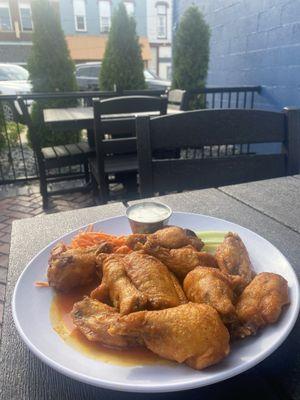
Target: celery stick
211,239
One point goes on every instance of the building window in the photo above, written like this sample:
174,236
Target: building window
5,20
161,21
80,15
25,17
105,15
129,5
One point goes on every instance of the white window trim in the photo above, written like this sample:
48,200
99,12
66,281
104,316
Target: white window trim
165,36
6,3
80,15
100,16
133,5
24,5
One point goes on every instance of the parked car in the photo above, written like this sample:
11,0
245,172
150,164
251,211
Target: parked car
155,82
87,76
14,80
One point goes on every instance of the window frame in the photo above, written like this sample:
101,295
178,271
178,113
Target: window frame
100,17
6,3
24,6
128,2
80,15
165,16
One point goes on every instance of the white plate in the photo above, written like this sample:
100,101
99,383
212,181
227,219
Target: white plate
38,334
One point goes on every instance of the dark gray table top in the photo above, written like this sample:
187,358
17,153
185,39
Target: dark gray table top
23,376
83,117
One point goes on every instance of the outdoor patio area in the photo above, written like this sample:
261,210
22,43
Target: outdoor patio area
149,199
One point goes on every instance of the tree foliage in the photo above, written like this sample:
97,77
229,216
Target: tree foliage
191,51
122,63
51,70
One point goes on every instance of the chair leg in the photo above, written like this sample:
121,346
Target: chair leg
86,171
94,187
44,193
43,188
100,192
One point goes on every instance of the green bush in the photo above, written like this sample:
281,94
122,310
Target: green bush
191,54
2,136
51,70
122,63
10,133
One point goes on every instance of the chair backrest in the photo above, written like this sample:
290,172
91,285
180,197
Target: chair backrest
178,99
133,104
117,145
195,129
34,137
144,92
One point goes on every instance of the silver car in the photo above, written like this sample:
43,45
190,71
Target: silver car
14,80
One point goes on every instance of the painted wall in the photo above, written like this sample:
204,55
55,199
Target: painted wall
92,17
254,42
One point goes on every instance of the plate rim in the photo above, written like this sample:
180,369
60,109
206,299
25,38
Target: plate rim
147,388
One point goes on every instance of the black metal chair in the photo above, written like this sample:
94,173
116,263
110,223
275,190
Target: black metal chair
195,129
56,157
116,154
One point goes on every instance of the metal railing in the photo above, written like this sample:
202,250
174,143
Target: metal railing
17,159
227,97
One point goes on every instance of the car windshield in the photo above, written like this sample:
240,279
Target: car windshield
150,75
13,73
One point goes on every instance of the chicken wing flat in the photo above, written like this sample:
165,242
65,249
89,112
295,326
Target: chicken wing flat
171,237
211,286
93,319
122,292
70,268
181,261
152,278
261,303
190,333
233,258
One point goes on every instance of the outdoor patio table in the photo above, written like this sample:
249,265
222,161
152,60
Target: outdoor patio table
270,208
83,118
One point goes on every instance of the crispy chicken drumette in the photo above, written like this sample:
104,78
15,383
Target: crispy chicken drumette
233,259
171,237
117,287
261,303
180,261
211,286
94,319
138,281
70,268
190,333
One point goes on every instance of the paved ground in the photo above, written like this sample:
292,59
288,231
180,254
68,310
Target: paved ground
25,202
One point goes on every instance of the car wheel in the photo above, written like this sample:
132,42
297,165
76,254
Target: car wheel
8,112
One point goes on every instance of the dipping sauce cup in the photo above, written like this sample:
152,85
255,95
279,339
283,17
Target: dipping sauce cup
148,217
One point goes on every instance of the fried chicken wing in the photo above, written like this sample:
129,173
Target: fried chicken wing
122,292
261,303
190,333
211,286
233,258
171,237
70,268
152,278
93,319
180,261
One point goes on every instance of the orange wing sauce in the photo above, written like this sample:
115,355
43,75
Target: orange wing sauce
62,323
